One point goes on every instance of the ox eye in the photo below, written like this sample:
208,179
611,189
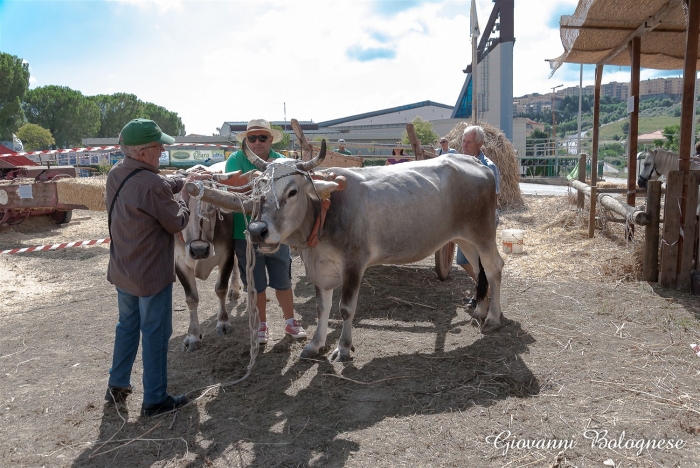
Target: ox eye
292,193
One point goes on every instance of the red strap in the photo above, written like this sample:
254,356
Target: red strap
320,220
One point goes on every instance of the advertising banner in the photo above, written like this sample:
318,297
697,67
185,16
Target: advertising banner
206,157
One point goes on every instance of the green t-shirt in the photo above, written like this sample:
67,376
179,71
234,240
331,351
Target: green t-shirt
343,151
239,162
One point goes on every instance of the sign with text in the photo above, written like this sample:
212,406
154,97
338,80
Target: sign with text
183,157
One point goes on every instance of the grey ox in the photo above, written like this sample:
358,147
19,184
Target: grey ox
384,215
205,243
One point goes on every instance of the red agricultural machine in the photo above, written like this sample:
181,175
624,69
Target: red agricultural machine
28,189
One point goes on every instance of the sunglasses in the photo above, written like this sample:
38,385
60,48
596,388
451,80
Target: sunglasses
254,138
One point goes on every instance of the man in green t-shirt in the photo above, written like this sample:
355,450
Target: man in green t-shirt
260,136
341,147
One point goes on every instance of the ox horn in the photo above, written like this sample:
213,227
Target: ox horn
220,198
255,160
309,165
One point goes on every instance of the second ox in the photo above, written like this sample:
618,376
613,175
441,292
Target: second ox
205,243
377,215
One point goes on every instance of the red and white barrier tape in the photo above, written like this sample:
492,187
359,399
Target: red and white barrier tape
65,245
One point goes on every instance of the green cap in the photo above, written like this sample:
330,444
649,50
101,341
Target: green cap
142,131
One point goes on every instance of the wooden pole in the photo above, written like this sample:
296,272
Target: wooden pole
689,230
636,215
686,136
582,178
671,231
475,64
650,267
594,148
635,46
415,142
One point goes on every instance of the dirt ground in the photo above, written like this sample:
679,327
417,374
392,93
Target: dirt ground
591,368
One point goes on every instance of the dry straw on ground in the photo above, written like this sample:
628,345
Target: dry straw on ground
88,191
557,243
501,152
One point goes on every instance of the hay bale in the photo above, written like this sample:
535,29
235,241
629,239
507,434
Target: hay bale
88,191
501,152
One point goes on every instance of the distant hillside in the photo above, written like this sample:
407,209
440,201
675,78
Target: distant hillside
654,114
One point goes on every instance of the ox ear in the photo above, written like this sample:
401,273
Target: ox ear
325,188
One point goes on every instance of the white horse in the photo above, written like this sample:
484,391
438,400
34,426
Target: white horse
659,162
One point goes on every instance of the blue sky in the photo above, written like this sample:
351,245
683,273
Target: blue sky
214,61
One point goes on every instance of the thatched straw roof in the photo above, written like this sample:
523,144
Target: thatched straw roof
599,30
501,152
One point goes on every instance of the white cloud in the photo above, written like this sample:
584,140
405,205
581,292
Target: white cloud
236,60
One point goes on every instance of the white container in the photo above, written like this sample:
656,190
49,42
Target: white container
513,240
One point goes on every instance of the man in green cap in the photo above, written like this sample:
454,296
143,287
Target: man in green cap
143,217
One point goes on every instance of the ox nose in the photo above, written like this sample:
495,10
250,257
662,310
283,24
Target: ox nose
199,250
258,231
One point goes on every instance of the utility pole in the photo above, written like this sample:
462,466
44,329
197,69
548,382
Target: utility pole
554,117
474,32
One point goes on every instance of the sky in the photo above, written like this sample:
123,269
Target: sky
236,60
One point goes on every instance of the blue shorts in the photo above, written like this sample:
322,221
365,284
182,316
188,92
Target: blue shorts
278,266
461,259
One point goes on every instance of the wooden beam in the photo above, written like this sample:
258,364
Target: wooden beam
619,28
635,47
415,142
648,25
689,230
594,148
689,72
671,230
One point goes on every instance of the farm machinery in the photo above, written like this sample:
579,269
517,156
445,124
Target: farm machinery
28,189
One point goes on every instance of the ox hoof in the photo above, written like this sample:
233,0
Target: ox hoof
337,356
223,329
490,327
309,354
190,344
233,295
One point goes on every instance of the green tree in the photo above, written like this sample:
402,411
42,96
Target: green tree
66,113
115,111
672,133
424,132
35,137
14,82
281,145
168,121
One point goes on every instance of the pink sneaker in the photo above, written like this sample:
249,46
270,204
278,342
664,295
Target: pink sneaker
296,331
263,333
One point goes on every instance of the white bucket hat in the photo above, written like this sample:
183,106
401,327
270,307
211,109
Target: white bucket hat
260,124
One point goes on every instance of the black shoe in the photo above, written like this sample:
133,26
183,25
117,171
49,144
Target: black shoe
169,404
117,395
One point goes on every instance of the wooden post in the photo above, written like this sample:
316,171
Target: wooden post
686,134
650,268
635,46
671,232
415,142
594,148
582,178
689,230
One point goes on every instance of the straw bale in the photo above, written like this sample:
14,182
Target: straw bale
88,191
501,152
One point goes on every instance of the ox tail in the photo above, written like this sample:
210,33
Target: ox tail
482,284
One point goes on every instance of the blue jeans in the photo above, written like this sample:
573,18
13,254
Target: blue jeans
152,317
461,258
278,266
